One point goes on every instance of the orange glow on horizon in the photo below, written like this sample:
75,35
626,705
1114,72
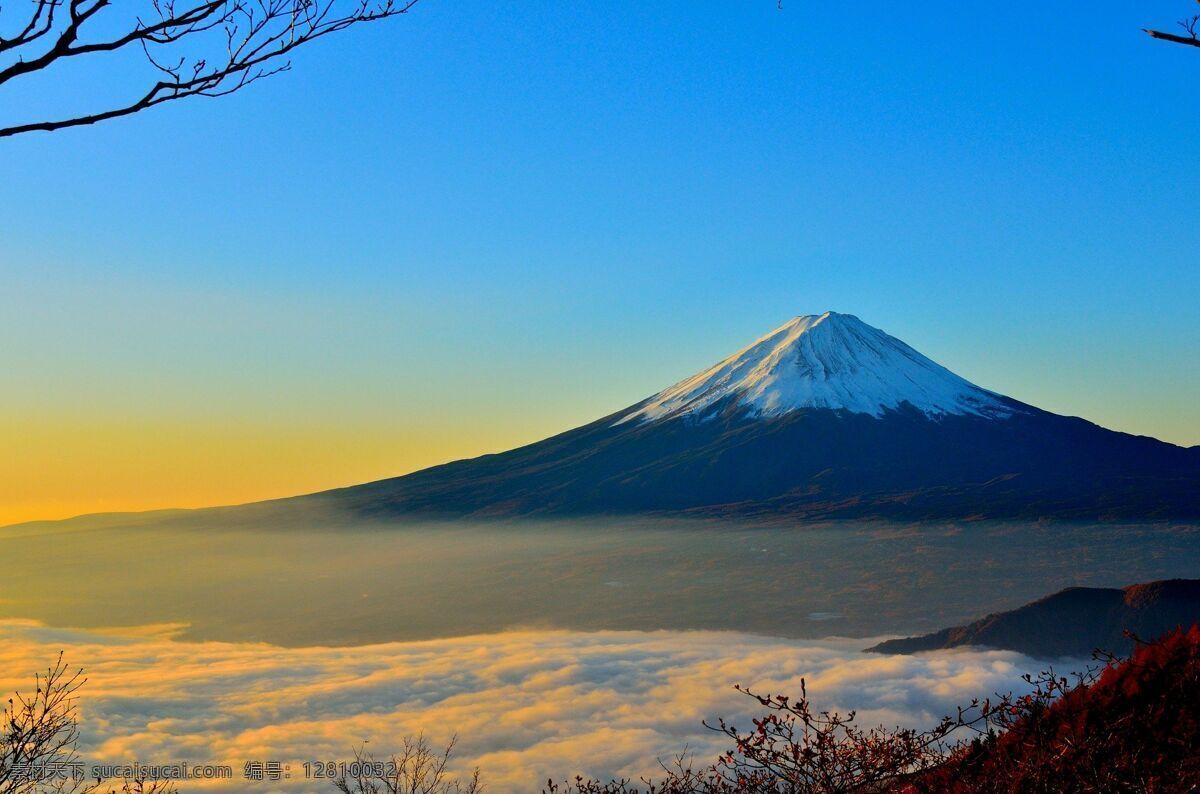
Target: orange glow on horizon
54,469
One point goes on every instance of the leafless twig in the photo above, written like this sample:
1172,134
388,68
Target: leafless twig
1191,29
230,43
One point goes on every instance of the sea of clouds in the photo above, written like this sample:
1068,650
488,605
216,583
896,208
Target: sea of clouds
526,706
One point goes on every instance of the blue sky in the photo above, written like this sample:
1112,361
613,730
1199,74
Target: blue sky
483,223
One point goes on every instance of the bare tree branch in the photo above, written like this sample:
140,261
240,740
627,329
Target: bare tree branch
1191,29
235,43
39,738
417,769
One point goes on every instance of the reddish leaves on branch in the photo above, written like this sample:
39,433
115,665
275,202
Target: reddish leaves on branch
1136,728
1131,725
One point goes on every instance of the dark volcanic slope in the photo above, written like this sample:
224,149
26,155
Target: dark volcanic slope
823,417
812,463
1073,622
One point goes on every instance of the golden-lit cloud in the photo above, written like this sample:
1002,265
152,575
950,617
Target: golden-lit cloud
525,705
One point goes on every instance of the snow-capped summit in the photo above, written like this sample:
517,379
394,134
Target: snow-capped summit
829,360
907,440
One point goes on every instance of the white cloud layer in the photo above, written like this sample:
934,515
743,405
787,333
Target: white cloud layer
526,705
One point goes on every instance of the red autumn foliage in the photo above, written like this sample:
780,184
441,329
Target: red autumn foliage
1135,728
1132,726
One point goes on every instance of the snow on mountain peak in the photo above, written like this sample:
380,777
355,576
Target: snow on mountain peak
828,360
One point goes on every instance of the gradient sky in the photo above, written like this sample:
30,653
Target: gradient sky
483,223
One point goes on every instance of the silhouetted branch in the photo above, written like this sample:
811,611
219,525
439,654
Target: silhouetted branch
239,43
39,738
1191,29
416,769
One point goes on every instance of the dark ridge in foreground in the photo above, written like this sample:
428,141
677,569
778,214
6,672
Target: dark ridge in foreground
1072,622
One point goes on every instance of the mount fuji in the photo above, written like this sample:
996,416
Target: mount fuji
833,361
824,417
